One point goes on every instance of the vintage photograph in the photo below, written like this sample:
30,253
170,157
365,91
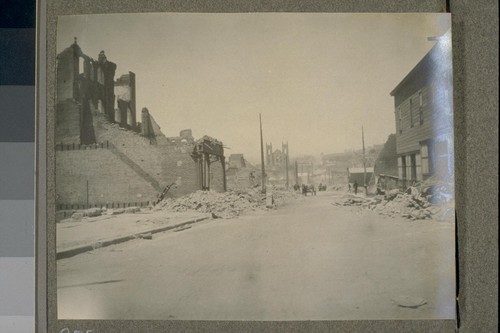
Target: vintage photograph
255,166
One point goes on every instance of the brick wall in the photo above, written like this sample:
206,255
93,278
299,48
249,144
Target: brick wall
68,119
216,179
109,179
132,169
177,165
238,179
65,74
166,162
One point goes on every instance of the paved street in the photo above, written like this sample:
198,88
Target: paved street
309,260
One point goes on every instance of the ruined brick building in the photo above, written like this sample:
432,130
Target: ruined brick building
241,174
104,156
125,101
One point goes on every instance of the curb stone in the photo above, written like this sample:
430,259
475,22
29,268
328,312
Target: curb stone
73,251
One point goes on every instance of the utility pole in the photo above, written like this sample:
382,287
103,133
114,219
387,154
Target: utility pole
87,192
312,173
286,167
364,158
263,169
296,173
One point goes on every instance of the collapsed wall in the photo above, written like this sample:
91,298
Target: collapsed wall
164,161
241,174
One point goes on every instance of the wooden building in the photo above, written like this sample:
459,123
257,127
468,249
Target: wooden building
424,116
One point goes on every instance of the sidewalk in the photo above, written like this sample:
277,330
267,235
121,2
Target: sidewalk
94,232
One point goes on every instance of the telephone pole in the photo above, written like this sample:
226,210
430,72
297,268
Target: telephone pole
286,166
296,173
364,158
263,169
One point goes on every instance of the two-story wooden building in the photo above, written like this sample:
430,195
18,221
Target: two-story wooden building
424,116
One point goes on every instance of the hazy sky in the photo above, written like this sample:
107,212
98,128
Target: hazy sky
315,78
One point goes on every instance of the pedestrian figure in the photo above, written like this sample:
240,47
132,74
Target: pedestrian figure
355,185
349,190
252,178
304,189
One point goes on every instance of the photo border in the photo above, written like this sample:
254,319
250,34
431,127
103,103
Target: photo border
475,61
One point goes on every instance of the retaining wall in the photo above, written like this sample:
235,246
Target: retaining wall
98,177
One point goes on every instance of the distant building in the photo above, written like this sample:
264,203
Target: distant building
336,164
276,158
276,164
236,161
241,174
358,175
424,116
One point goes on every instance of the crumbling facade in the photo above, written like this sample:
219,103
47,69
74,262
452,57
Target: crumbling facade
89,83
241,174
149,128
206,152
125,113
424,116
105,157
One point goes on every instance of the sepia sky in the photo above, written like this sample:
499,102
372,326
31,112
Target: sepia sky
315,78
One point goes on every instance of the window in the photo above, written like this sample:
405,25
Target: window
424,153
81,65
411,112
403,167
100,75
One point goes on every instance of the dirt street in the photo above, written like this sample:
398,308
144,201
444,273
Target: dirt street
309,260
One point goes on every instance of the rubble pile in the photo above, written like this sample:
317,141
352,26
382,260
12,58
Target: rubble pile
438,192
411,204
223,205
91,212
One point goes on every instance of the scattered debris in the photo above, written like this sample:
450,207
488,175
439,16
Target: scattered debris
416,203
91,212
147,235
116,211
77,216
224,204
132,210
